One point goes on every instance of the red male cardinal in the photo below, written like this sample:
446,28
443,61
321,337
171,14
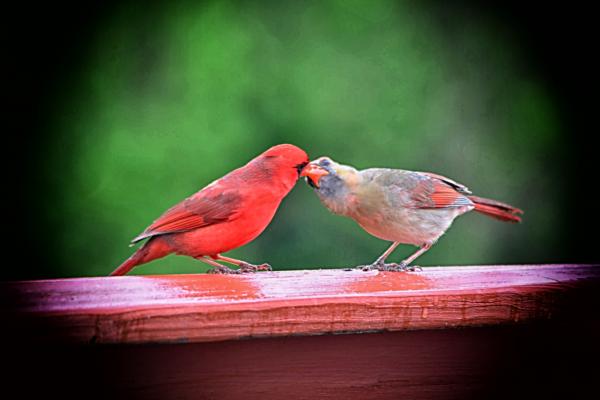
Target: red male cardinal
399,206
226,214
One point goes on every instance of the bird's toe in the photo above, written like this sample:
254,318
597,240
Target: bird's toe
402,267
222,270
264,267
249,268
389,267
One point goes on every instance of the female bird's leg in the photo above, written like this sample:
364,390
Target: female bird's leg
218,268
416,254
244,266
382,258
380,264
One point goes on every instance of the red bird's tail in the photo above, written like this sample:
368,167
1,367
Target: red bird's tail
151,250
496,209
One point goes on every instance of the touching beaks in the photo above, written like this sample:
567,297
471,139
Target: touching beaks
300,167
314,172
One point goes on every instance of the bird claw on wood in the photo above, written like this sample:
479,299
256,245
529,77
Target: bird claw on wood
222,270
246,268
391,267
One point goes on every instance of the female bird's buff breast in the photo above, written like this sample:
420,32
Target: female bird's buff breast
409,226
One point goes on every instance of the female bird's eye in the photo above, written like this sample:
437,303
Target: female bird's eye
325,162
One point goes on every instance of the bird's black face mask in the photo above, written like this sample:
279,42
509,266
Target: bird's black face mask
300,167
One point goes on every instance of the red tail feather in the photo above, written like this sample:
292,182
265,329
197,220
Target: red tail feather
496,209
151,250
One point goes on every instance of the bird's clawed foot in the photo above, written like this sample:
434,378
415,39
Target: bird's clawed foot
391,267
245,268
248,268
222,270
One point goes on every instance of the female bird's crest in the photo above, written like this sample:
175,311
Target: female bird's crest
324,174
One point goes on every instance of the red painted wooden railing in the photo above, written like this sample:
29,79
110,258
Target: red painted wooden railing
458,332
194,308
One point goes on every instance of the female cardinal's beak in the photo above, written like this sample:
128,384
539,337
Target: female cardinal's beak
314,172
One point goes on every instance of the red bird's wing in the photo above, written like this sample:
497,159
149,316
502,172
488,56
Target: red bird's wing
436,191
206,207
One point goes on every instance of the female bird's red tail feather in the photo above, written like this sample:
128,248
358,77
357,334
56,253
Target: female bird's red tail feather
496,209
151,250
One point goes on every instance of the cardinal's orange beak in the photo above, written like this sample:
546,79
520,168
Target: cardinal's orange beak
314,172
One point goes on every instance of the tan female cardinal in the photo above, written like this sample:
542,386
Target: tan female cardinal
399,206
226,214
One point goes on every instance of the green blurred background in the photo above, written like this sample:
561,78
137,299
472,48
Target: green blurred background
157,101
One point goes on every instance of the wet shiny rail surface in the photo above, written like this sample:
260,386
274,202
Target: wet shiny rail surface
201,308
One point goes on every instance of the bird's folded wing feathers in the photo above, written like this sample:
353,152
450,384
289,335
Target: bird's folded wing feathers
436,191
459,187
197,211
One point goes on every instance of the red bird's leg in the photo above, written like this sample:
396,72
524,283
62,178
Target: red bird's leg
218,268
244,266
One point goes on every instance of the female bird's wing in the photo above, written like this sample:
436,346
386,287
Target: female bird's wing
212,205
423,190
459,187
436,191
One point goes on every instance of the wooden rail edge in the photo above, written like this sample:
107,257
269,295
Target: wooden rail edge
200,308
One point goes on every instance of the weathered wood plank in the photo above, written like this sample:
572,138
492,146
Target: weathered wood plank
545,360
198,308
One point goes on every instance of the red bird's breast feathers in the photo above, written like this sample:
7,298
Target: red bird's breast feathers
268,177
